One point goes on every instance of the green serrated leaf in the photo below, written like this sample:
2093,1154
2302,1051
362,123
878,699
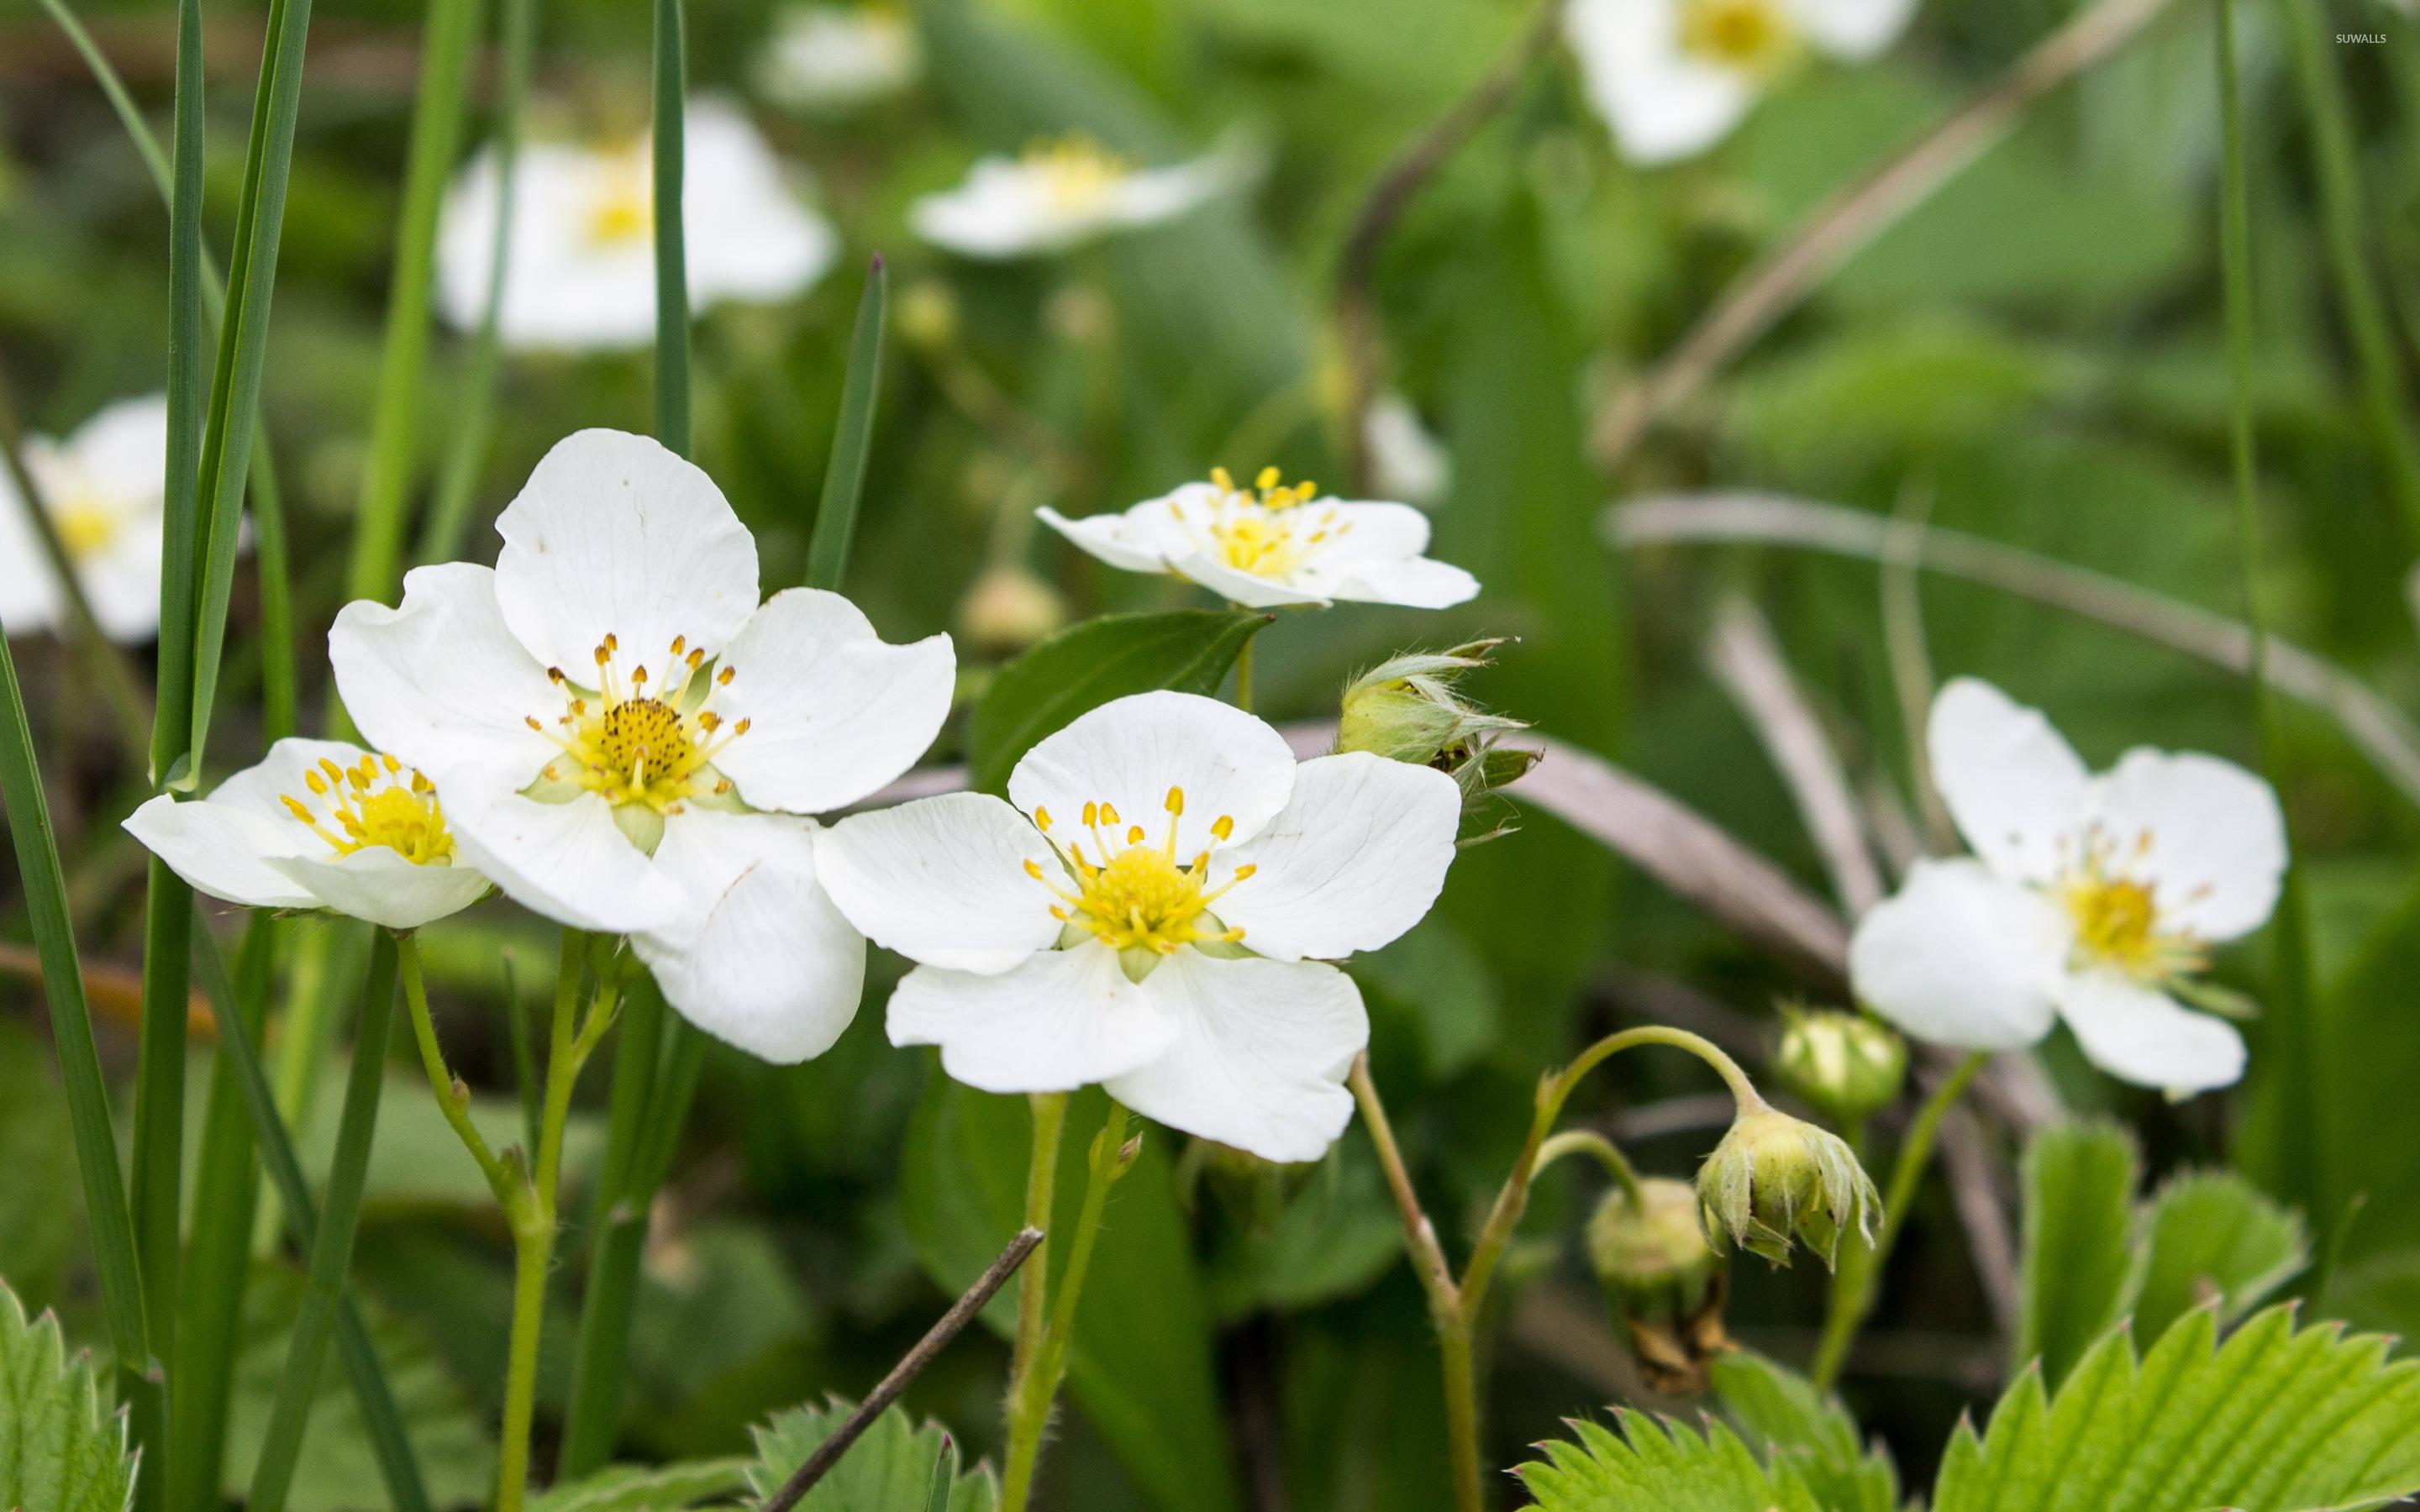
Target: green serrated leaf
891,1468
2277,1419
2212,1235
1782,1409
59,1450
647,1488
1652,1466
2079,1258
1087,665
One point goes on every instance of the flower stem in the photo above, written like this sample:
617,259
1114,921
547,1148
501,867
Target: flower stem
1852,1284
1596,1145
453,1098
1041,1181
1037,1384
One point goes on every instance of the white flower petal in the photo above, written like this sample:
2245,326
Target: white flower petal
615,534
285,771
122,451
1009,207
1244,588
378,885
1661,103
750,239
1260,1057
1357,857
2013,783
439,682
1156,194
1422,583
834,711
1130,751
834,58
221,849
564,291
1853,29
2136,1034
567,861
29,591
2204,833
122,583
1062,1020
1112,538
942,880
1406,460
763,961
1962,957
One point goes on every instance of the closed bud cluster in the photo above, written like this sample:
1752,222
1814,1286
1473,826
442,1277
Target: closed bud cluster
1848,1065
1774,1181
1663,1280
1408,709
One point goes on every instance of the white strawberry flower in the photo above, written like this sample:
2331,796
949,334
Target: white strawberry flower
103,487
1058,196
834,57
1151,908
628,742
580,274
1672,77
1274,543
2090,898
319,824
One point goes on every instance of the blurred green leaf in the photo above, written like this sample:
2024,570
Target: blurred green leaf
1141,1365
60,1451
1336,1235
1087,665
1781,1410
338,1471
648,1489
1436,980
2213,1237
39,1205
2079,1260
890,1469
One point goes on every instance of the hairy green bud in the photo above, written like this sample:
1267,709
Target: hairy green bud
1846,1064
1775,1180
1407,709
1663,1280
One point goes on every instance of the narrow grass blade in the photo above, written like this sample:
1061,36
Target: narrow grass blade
381,1416
449,513
274,570
445,44
188,397
226,1186
331,1248
158,1175
671,254
244,339
852,433
96,1144
615,1223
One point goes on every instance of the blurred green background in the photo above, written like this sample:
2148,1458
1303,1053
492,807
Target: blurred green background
2033,355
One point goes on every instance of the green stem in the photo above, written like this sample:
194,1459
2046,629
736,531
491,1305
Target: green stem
1861,1265
1037,1386
1033,1282
1598,1148
332,1250
156,1181
453,1098
672,256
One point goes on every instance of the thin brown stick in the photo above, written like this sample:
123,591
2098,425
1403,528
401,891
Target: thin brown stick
1357,314
910,1364
1849,221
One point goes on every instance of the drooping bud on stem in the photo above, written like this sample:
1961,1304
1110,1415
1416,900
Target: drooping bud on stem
1775,1180
1663,1280
1848,1065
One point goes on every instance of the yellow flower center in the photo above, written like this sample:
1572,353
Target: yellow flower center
624,210
86,526
1264,530
1751,36
380,802
1138,897
2117,919
1074,171
642,739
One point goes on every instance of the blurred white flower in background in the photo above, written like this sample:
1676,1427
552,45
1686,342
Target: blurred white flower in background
1274,544
1140,910
835,58
2092,898
580,273
319,824
1406,460
1060,194
628,742
103,487
1672,77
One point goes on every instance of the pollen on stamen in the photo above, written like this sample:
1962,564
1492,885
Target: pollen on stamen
1134,834
639,678
1092,814
1225,826
1042,819
315,784
1268,478
613,643
1109,813
723,678
681,643
1176,800
554,675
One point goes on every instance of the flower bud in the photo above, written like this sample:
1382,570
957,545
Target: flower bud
1663,1280
1775,1178
1407,710
1846,1064
1009,609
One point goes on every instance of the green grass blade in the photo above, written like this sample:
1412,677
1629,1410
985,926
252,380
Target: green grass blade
332,1247
96,1144
852,433
381,1416
160,1133
445,45
188,397
449,514
226,1186
244,339
671,254
615,1222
